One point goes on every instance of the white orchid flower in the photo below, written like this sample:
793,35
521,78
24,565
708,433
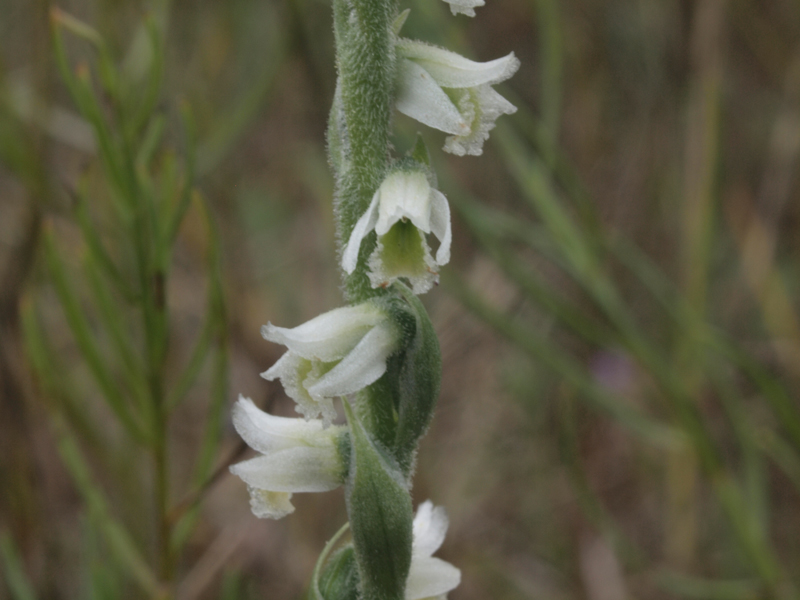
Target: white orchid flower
297,456
451,93
335,354
403,211
464,7
430,578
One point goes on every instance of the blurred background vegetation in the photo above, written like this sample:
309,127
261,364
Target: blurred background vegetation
619,415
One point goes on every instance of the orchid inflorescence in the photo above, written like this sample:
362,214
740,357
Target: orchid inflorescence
379,354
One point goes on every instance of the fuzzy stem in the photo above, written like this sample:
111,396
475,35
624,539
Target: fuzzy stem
359,129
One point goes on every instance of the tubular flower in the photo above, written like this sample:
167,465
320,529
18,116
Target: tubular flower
430,578
297,456
335,354
465,7
451,93
403,210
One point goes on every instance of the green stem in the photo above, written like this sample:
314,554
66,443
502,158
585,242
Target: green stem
362,110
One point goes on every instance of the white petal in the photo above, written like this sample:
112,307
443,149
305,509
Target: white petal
363,366
452,70
267,433
440,226
430,577
421,98
404,194
363,226
465,7
430,527
270,505
329,336
299,469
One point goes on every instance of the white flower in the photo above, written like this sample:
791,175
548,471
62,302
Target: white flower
403,210
430,578
451,93
465,7
335,354
298,456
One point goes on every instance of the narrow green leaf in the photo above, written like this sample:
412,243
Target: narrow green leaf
17,580
83,337
147,102
121,546
113,321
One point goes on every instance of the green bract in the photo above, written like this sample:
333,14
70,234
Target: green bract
380,513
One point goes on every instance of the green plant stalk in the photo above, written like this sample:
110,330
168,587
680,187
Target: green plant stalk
552,64
366,64
16,579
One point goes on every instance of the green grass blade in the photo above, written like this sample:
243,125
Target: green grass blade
83,337
559,362
122,548
17,581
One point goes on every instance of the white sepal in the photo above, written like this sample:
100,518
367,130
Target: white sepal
421,98
451,70
328,336
363,226
404,195
429,577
